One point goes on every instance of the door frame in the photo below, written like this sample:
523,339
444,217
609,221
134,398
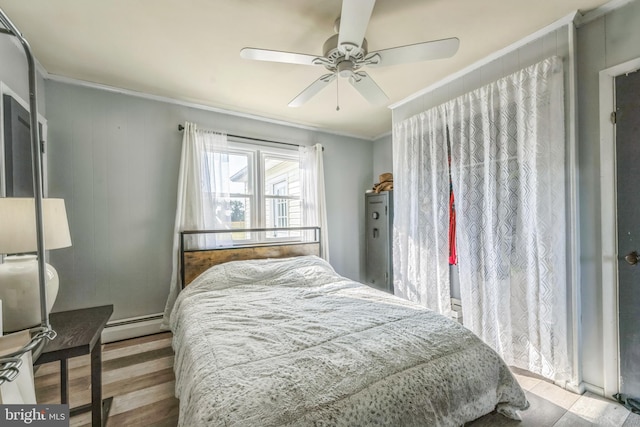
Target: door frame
608,229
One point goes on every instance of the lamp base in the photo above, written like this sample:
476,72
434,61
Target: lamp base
20,293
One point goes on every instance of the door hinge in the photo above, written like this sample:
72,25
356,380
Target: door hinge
613,117
385,210
42,145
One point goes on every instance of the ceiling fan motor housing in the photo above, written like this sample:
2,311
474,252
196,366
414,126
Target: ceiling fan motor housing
333,53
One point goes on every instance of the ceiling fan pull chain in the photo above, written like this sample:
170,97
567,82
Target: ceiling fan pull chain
337,95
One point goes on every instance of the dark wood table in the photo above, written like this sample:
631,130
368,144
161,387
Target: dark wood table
78,333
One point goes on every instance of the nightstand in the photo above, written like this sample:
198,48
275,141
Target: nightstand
78,333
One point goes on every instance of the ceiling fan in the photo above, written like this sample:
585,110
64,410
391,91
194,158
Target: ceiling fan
345,54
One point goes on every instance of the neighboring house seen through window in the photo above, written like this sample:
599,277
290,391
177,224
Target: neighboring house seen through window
280,206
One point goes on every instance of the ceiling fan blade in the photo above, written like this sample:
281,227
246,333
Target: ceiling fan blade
353,23
424,51
277,56
368,88
312,90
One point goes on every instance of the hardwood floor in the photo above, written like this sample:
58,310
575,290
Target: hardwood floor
552,406
138,374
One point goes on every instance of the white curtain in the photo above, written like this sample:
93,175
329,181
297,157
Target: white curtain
507,164
421,217
314,208
203,198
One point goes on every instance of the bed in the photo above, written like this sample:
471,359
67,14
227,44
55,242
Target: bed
288,342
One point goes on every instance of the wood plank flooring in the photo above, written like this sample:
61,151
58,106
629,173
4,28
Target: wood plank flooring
138,374
552,406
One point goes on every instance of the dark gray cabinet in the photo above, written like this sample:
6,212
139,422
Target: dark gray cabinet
379,221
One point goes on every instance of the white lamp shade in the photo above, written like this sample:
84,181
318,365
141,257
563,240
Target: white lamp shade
18,225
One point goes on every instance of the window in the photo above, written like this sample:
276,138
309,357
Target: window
261,189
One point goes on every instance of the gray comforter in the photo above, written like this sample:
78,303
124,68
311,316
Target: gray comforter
291,343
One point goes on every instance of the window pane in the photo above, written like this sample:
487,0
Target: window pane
239,174
240,213
281,213
227,173
282,177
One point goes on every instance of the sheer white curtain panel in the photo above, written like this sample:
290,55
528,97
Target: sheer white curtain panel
314,208
421,217
508,172
203,198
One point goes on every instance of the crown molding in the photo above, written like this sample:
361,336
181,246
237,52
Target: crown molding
382,135
601,11
566,20
174,101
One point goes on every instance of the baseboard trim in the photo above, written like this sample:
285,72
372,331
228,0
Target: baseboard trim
123,329
594,389
577,389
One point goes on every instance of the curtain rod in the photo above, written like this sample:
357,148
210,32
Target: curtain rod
181,128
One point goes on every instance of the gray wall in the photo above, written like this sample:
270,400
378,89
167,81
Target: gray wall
382,156
115,158
603,43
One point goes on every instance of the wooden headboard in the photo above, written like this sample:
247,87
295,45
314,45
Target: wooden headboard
195,262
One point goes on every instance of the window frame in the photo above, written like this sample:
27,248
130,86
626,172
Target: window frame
256,182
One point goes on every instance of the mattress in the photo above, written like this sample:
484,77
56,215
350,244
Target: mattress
289,342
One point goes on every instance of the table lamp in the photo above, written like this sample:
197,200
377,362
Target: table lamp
19,287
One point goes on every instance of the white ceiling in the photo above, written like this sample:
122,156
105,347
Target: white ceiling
189,49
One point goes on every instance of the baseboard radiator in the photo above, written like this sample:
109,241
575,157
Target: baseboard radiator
456,309
133,327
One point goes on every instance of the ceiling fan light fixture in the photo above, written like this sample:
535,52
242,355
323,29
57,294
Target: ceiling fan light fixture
345,69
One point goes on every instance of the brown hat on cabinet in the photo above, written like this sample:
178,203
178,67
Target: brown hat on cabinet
385,184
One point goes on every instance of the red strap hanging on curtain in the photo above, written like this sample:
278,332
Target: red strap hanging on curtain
453,256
